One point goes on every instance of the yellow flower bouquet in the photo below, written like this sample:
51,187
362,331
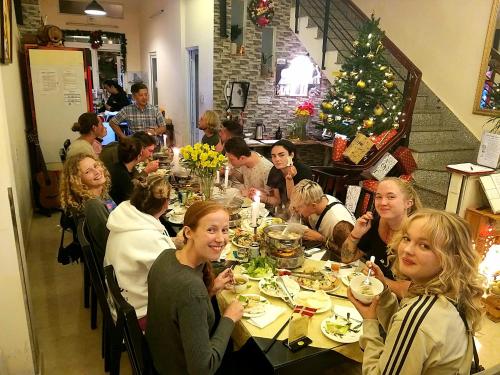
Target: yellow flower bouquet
204,162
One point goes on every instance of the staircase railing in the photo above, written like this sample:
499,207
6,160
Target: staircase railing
339,21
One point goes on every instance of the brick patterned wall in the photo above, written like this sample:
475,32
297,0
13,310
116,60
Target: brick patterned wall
247,68
31,17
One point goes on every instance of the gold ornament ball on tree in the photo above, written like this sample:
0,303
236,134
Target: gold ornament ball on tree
347,109
389,84
379,110
327,105
361,84
322,116
368,123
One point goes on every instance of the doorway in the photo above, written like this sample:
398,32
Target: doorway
153,78
193,94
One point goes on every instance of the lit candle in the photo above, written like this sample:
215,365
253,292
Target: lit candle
226,177
217,178
176,156
255,208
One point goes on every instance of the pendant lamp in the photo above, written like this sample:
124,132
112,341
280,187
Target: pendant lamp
95,9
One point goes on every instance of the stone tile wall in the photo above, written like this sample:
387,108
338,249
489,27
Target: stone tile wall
31,17
247,68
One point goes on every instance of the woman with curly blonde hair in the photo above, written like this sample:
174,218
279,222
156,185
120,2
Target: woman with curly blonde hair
84,189
210,124
432,330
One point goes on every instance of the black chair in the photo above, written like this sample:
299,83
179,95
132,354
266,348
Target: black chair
135,341
111,332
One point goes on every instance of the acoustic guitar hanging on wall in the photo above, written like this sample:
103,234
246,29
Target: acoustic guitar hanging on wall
47,181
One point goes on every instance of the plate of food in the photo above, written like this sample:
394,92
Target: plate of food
242,239
253,305
257,269
318,300
271,287
321,280
345,326
346,279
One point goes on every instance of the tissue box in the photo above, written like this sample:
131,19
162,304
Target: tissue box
382,167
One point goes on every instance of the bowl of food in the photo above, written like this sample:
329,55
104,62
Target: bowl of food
365,292
240,283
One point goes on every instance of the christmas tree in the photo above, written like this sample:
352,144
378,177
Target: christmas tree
364,97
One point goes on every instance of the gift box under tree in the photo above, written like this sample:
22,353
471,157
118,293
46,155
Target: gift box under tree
405,158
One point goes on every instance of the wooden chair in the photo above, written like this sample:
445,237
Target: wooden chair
332,182
135,342
111,332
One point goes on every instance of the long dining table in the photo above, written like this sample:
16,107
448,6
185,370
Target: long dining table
320,356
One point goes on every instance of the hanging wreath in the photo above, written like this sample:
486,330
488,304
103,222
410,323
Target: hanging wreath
261,12
96,39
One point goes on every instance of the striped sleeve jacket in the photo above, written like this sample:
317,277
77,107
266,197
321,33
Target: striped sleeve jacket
425,335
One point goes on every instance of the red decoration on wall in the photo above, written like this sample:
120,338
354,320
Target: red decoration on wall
261,12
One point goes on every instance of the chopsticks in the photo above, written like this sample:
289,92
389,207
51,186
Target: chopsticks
275,337
336,295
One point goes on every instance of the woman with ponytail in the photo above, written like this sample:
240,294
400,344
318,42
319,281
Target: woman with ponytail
137,237
90,127
182,333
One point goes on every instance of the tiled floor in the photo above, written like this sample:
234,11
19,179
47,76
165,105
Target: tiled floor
62,326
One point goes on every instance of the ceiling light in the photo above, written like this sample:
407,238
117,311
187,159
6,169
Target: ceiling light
95,9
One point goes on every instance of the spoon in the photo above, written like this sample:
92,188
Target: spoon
367,281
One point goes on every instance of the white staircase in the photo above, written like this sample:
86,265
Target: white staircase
309,36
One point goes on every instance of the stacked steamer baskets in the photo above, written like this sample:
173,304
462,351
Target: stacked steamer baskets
284,247
164,160
233,207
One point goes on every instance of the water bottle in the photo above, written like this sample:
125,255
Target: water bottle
278,134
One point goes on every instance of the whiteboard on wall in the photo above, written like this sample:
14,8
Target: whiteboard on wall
59,95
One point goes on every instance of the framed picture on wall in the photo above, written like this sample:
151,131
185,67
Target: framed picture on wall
6,31
236,94
299,76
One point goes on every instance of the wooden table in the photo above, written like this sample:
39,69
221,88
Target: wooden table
280,357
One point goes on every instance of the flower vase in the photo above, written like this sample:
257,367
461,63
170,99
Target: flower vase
206,184
299,128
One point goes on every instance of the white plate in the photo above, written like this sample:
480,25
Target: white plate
266,276
292,286
263,300
325,307
336,285
345,278
174,219
349,337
